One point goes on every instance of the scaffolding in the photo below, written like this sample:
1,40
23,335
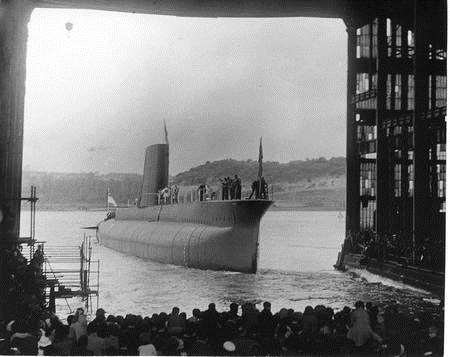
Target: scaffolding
71,272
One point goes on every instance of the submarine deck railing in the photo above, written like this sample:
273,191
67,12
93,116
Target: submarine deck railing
194,195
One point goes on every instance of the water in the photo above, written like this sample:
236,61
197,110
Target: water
297,253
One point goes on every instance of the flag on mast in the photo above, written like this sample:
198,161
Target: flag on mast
166,135
260,159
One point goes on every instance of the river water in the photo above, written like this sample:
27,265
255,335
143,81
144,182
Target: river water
297,253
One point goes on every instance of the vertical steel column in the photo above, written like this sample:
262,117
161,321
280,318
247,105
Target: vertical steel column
13,40
14,16
421,169
352,221
382,157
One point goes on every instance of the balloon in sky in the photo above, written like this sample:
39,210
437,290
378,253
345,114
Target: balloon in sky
69,26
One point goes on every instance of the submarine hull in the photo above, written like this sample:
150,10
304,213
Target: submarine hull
216,235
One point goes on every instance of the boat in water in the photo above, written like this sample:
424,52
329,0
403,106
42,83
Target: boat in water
204,234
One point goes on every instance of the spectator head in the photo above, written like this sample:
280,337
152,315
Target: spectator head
234,307
175,311
346,310
212,307
70,319
267,306
196,313
359,304
100,314
229,346
368,305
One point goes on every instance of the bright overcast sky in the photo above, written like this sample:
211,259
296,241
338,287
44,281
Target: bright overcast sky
96,96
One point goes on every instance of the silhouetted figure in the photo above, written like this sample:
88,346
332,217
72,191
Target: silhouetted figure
237,187
263,189
202,191
255,186
175,191
224,188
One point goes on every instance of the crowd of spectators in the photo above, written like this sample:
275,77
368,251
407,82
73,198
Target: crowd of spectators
365,330
22,282
397,247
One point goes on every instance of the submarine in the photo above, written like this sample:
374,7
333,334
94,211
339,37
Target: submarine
203,234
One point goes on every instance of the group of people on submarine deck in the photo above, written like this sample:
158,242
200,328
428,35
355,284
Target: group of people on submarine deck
231,189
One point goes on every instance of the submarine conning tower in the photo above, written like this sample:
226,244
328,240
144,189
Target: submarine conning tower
156,173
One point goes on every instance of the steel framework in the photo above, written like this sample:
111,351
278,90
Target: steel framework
396,131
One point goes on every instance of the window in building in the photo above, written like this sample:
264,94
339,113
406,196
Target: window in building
430,51
367,212
397,180
371,155
362,82
440,170
441,91
441,54
430,86
410,155
367,104
388,91
389,36
367,132
398,41
398,92
410,92
410,44
375,38
363,42
410,180
374,81
440,151
397,130
367,190
368,179
397,154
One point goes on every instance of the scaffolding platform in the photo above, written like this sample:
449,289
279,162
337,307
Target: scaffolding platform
71,272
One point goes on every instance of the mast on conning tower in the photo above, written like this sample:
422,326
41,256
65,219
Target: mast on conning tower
166,136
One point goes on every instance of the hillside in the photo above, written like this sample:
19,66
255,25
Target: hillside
309,184
275,172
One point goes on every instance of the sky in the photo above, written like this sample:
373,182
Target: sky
98,94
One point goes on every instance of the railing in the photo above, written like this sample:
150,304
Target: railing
196,195
69,274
